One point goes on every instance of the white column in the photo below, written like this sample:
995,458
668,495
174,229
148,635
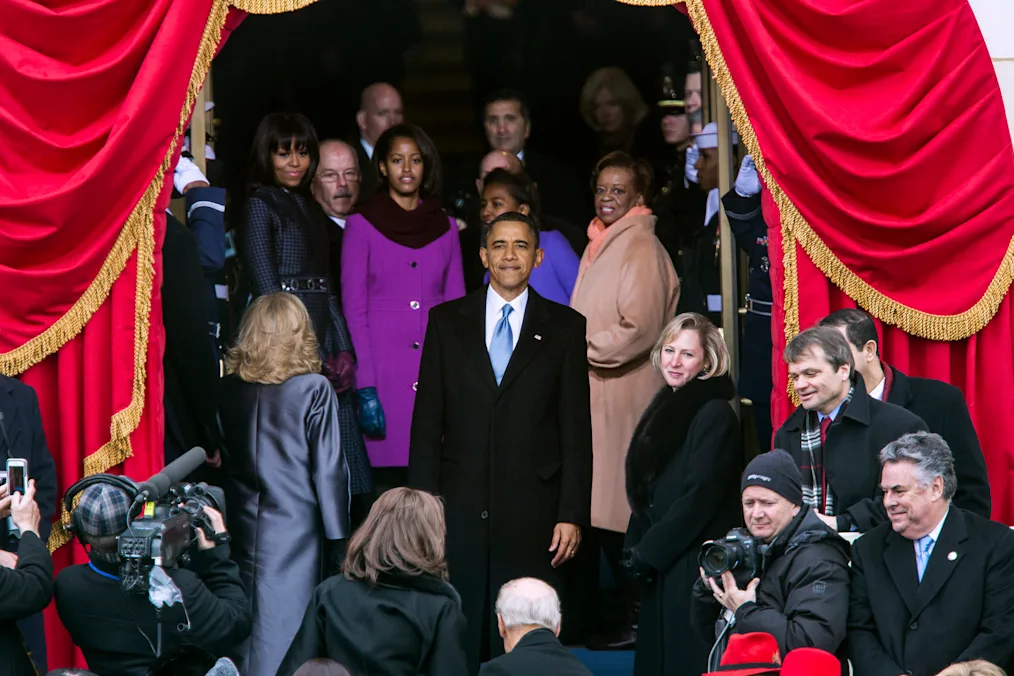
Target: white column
996,21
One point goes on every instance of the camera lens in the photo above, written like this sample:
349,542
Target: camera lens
714,559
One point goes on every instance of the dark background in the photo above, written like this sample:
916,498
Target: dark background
317,60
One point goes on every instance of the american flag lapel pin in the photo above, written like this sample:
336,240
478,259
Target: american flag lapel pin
538,337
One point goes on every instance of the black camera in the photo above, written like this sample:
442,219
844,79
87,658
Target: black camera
162,534
162,522
738,552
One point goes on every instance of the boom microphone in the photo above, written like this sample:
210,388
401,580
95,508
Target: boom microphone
173,473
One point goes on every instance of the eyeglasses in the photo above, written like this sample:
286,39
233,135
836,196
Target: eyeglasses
331,176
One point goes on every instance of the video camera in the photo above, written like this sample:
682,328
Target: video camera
163,520
738,552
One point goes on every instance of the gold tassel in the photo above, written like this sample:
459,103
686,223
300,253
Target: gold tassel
912,321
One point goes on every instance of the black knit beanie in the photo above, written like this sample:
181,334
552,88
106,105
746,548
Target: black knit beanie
777,471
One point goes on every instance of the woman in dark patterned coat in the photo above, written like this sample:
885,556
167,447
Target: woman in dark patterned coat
284,246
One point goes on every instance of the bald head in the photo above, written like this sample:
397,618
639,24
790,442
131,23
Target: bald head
498,159
336,184
524,605
379,109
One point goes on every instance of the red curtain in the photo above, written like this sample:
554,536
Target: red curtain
880,133
94,95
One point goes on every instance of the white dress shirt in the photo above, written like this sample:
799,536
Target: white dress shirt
521,155
367,147
878,391
340,222
494,310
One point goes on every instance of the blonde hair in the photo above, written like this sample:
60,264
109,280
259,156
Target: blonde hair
403,534
974,668
621,87
276,341
716,354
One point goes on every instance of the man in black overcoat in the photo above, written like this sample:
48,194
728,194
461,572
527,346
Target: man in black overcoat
22,436
935,585
502,430
941,406
838,431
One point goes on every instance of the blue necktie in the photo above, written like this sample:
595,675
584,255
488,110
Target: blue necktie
925,545
502,345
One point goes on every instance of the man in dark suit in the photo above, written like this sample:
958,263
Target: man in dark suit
336,187
507,120
190,362
941,406
528,618
935,585
502,429
22,436
838,431
26,583
380,108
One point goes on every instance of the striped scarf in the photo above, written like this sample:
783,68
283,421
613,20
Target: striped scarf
816,491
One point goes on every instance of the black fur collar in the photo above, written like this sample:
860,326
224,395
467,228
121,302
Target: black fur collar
662,430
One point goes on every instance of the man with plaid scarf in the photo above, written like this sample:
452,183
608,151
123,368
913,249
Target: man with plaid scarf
838,431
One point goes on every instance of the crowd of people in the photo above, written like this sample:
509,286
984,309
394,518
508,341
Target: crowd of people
445,405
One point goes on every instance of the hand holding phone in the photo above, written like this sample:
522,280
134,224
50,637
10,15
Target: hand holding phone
17,476
24,510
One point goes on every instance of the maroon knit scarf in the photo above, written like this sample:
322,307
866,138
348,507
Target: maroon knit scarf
414,229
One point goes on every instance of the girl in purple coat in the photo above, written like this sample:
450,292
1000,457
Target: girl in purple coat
503,192
400,257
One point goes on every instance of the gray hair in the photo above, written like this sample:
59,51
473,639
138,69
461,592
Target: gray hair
526,602
929,453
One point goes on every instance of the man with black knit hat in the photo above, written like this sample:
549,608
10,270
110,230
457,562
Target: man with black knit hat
800,594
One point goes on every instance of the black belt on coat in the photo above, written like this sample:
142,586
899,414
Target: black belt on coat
305,285
758,307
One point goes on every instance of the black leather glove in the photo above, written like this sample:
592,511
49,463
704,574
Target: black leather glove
636,567
335,557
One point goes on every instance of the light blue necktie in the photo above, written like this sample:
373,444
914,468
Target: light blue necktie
924,549
502,345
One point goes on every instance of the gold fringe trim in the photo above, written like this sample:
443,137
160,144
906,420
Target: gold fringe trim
912,321
649,3
140,227
270,6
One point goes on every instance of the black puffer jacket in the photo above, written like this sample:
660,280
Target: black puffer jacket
803,595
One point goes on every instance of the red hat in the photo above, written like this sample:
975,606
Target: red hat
749,655
810,662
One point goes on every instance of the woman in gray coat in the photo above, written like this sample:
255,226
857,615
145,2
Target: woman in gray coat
288,495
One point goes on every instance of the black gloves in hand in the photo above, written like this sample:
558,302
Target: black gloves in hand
635,566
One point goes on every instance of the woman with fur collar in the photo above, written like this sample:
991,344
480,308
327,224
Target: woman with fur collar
683,468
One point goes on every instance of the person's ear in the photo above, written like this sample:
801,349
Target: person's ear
524,209
500,626
484,256
558,625
870,350
639,202
382,166
361,121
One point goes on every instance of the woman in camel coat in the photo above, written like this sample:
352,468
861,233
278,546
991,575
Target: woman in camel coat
627,289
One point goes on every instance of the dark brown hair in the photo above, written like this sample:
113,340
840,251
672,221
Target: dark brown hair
859,327
641,170
281,131
432,169
403,535
836,348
